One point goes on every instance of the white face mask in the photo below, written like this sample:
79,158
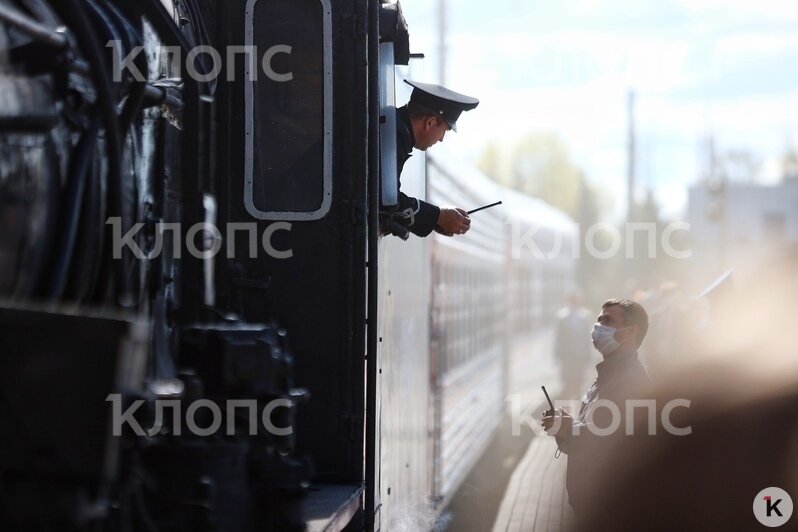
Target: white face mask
604,338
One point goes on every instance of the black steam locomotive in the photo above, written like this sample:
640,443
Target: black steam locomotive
202,327
134,144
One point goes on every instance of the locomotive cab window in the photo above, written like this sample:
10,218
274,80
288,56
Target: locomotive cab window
288,109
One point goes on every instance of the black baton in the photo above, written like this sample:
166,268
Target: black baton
484,207
548,399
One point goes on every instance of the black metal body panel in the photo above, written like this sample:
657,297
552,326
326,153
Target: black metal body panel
317,295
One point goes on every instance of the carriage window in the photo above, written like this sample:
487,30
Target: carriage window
288,110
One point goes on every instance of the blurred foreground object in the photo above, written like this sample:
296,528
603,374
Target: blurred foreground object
742,384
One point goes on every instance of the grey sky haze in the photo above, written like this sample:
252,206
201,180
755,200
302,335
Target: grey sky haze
697,66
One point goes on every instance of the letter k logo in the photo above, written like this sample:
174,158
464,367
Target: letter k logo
777,507
772,506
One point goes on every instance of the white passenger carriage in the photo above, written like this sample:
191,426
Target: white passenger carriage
463,323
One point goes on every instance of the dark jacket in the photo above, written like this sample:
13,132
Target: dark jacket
418,216
619,378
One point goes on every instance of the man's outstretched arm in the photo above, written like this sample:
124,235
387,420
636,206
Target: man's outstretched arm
421,218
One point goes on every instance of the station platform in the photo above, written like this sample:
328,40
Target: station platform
536,499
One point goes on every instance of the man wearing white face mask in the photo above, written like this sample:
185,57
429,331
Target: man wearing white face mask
617,335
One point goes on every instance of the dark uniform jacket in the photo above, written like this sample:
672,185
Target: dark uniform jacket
619,378
418,216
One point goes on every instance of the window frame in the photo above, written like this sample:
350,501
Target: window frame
249,121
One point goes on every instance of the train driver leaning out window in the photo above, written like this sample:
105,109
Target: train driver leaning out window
432,111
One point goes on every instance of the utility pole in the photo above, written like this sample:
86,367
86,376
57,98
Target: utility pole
442,42
630,171
632,266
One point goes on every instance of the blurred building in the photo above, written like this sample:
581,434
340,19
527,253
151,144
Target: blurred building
740,226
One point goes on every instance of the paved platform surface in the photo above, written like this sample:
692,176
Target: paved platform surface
536,499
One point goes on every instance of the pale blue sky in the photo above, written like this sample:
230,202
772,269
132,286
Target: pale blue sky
726,66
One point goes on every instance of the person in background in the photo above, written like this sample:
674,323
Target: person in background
572,348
